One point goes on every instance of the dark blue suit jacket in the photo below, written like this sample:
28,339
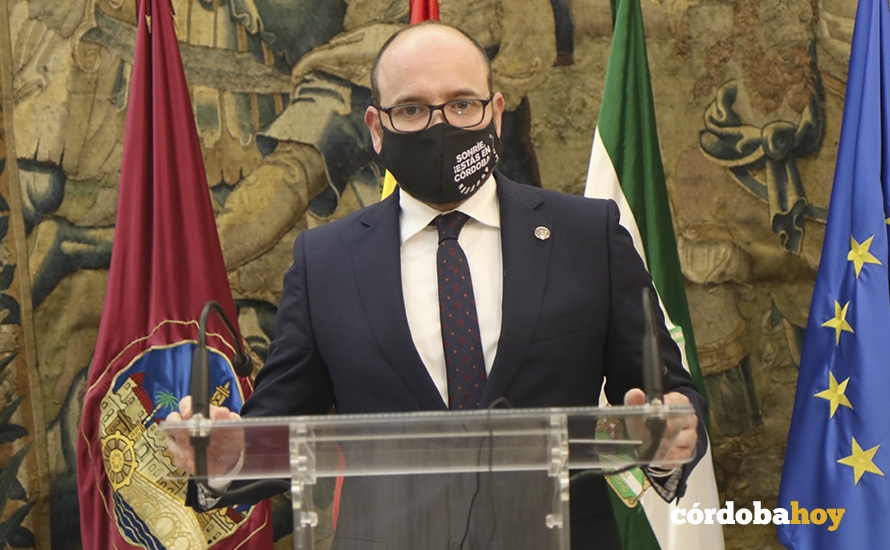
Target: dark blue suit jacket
572,316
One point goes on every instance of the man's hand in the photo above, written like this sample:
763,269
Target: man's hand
224,450
683,448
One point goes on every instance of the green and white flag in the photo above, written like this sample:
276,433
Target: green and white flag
625,165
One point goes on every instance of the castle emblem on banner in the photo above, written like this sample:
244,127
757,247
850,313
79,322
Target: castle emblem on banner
149,491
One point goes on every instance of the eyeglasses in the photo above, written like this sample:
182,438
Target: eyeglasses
416,117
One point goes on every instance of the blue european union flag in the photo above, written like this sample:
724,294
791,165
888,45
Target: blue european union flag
839,445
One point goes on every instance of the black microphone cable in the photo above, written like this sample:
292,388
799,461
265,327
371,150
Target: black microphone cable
499,403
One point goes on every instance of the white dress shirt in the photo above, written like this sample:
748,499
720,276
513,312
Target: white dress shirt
481,240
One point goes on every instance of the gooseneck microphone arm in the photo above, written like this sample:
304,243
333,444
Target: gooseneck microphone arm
199,388
654,372
199,384
653,366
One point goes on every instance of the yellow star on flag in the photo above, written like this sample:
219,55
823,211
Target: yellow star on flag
839,322
859,254
835,394
861,461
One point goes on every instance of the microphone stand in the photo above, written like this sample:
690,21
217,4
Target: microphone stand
199,388
654,373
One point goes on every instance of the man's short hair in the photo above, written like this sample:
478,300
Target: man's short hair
375,90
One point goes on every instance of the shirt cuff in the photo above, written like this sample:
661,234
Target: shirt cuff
207,501
664,482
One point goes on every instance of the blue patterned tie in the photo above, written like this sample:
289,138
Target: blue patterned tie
464,361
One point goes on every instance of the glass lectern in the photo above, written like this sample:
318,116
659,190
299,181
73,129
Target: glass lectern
495,478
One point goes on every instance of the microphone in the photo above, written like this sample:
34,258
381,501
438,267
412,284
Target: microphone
242,364
199,383
199,388
654,370
654,373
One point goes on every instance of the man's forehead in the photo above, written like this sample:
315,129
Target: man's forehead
440,50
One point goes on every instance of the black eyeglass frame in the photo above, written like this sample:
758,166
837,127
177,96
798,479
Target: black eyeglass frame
434,108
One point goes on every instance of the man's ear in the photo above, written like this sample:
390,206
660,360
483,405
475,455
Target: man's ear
372,120
497,111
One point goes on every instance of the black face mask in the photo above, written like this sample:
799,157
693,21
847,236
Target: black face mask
441,164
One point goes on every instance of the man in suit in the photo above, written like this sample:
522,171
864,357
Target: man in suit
555,293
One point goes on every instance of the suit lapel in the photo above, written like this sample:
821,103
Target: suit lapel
526,260
377,264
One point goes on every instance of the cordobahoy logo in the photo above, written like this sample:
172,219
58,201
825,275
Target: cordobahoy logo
728,515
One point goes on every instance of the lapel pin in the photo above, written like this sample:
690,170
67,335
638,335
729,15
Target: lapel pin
542,233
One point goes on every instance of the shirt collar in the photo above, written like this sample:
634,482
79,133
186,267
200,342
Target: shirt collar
482,206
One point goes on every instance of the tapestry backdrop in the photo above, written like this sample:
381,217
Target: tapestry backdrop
749,97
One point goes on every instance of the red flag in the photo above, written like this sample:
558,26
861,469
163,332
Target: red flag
166,263
421,10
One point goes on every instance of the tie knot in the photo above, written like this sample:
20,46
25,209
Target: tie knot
450,224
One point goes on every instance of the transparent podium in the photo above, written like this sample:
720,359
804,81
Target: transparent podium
496,478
